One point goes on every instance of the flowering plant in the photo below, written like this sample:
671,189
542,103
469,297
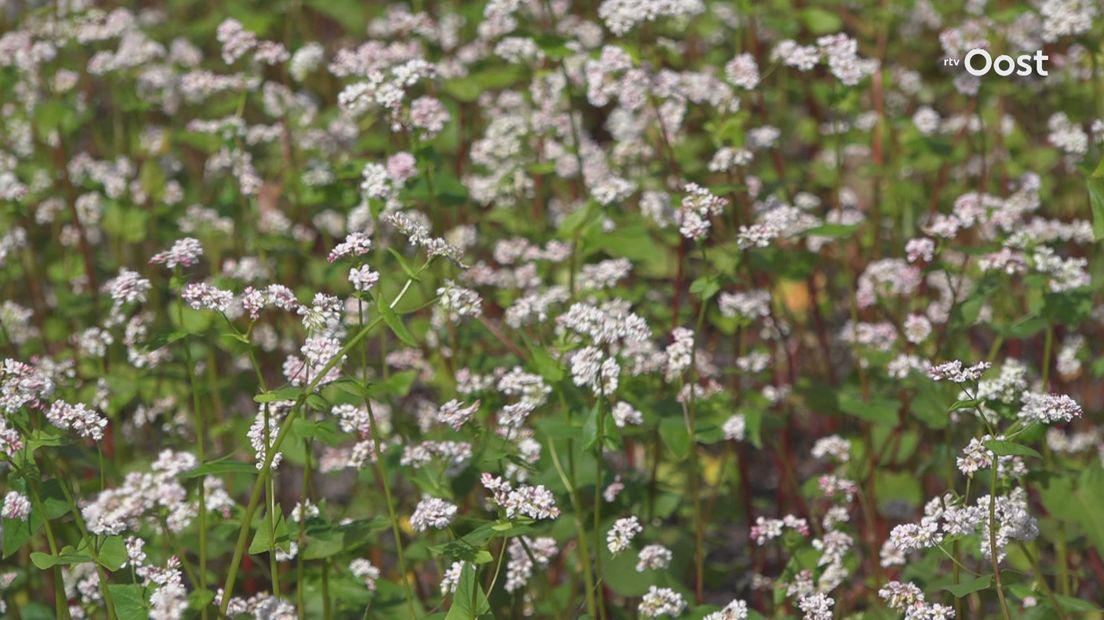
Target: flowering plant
627,309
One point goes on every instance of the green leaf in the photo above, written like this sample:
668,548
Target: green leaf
878,410
406,267
67,556
1077,605
969,586
469,602
267,538
577,219
323,430
288,392
128,225
553,46
113,553
224,465
590,428
545,365
960,405
162,340
397,385
130,601
705,287
17,533
832,230
472,547
1025,327
323,541
673,432
1090,498
1001,447
632,242
1096,203
395,323
49,437
821,21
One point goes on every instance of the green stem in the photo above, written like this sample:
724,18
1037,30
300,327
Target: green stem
299,565
381,474
271,451
695,468
327,613
580,534
61,603
600,600
993,542
1043,582
201,455
266,465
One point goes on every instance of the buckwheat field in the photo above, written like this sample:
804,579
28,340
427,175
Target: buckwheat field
466,309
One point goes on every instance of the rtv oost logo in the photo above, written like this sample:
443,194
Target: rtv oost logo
980,62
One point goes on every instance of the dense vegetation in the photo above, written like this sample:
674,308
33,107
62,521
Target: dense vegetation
625,309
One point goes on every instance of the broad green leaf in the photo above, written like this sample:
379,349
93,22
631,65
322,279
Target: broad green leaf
674,435
224,465
268,538
820,21
288,392
1077,605
162,340
406,267
705,287
396,386
1002,447
969,586
545,365
112,553
832,230
323,542
554,46
1096,203
1090,498
878,410
17,533
131,602
396,324
469,602
65,557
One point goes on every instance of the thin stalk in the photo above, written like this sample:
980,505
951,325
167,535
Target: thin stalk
1060,547
956,573
270,452
498,567
299,565
381,473
61,603
1043,582
266,465
695,467
993,542
600,600
327,613
584,552
201,455
270,517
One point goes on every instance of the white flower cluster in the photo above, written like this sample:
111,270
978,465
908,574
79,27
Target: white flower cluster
432,513
183,253
621,16
535,502
80,418
906,598
658,602
620,535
